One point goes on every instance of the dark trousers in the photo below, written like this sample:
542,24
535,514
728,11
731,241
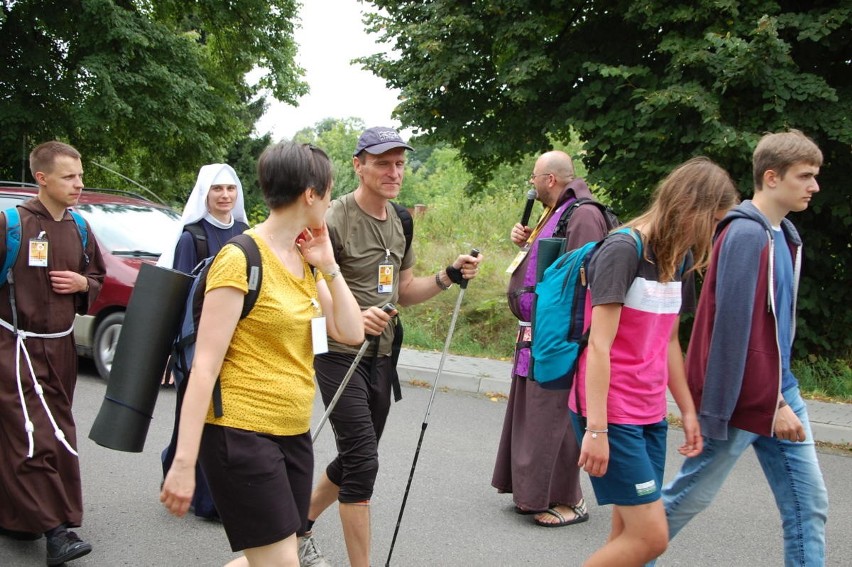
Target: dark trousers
358,419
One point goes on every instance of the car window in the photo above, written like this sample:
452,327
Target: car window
125,228
7,201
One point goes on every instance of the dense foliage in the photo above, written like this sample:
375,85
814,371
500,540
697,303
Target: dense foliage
646,85
154,88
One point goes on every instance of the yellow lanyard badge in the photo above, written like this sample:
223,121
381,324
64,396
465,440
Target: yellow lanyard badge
38,251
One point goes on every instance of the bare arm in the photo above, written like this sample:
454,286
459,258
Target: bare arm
693,442
343,315
219,318
414,290
594,452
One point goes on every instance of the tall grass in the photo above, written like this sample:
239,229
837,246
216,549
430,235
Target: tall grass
485,325
823,378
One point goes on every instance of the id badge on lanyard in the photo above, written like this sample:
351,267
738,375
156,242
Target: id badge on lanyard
38,247
518,259
319,332
385,276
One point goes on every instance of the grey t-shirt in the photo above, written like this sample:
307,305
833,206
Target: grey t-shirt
614,267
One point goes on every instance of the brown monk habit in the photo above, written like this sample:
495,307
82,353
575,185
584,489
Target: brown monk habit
44,491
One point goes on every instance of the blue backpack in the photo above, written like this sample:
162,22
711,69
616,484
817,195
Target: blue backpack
13,238
559,316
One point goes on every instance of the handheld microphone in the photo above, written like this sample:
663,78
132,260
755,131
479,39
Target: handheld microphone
531,195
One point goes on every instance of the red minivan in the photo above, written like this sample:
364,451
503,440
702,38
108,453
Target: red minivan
130,230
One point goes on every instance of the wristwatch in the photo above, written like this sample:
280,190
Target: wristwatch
331,275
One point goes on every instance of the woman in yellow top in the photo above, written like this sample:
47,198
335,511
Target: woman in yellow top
258,456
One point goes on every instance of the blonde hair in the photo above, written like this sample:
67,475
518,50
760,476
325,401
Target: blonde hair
682,214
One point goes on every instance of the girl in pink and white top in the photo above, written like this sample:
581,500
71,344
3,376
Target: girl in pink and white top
619,406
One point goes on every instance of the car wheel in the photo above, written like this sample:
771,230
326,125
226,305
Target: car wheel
106,339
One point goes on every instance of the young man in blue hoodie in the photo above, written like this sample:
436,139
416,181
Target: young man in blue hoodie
738,361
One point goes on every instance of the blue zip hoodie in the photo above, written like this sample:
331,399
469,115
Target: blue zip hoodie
733,362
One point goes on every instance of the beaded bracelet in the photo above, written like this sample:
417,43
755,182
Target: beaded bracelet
440,283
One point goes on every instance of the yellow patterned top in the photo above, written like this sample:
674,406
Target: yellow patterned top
267,376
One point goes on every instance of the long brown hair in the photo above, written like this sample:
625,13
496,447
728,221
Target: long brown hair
682,214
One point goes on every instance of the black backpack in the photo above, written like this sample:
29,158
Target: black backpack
408,230
610,218
199,237
183,349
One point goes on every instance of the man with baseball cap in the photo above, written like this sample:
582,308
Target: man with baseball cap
370,246
379,140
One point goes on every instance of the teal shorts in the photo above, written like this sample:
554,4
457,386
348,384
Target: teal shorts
637,460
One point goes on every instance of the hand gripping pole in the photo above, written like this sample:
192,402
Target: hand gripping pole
387,309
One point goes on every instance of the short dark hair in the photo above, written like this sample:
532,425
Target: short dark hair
44,155
287,169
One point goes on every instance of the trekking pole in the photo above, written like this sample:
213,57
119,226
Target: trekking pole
387,309
463,286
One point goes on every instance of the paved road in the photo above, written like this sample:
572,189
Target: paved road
453,516
830,422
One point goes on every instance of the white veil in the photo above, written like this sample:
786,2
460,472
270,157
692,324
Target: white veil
196,206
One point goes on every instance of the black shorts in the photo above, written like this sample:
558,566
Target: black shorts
358,419
261,484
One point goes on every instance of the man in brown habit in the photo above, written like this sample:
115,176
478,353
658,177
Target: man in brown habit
52,278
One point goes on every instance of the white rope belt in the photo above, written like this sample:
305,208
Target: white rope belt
21,347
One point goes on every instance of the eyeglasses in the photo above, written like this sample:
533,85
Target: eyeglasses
534,175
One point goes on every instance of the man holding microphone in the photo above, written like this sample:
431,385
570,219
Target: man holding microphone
538,452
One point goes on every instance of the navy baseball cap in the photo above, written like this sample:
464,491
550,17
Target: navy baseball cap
378,140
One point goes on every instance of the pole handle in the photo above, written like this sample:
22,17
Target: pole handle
474,252
387,308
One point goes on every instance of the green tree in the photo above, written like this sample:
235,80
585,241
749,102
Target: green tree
646,85
157,86
439,176
337,137
242,156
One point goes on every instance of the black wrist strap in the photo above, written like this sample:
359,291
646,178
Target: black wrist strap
455,274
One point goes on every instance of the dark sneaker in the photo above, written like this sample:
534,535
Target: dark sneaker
20,536
65,547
